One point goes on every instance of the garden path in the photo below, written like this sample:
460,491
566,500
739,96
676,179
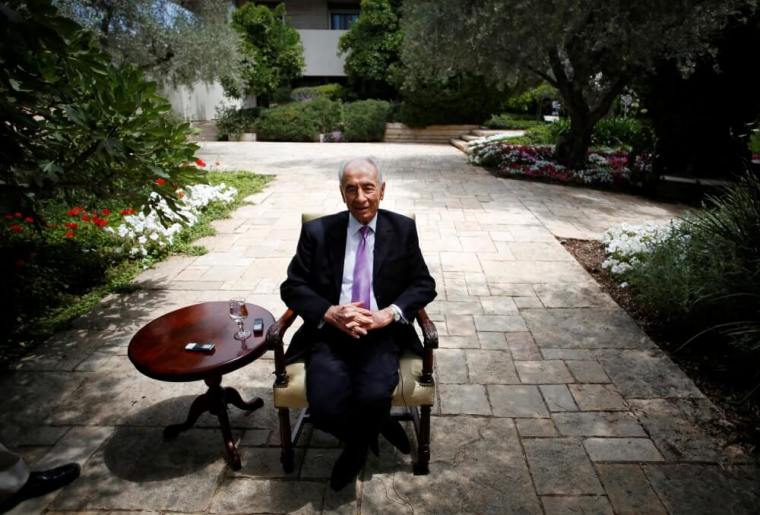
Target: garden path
551,399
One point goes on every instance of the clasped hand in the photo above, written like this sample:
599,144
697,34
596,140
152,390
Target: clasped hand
356,321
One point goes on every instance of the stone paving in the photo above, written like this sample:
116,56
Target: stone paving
551,399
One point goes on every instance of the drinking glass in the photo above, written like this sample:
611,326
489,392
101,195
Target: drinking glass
238,313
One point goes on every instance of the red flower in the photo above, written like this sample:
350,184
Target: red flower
160,181
105,212
85,218
128,211
71,225
200,162
18,215
9,216
29,220
99,222
16,228
75,211
69,234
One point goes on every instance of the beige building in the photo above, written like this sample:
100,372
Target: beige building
319,23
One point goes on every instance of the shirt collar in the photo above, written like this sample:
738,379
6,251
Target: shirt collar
354,225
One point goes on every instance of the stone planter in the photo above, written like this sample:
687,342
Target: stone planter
248,136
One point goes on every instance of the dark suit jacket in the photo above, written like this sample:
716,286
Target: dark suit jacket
399,276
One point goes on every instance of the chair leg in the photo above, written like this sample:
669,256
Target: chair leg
423,443
287,456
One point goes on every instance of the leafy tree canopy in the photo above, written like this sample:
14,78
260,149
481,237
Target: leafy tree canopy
588,50
372,45
162,38
273,54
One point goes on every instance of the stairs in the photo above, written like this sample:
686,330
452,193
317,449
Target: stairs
463,141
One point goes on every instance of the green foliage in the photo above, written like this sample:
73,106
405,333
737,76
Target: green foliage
511,122
372,46
532,100
75,125
299,121
327,114
272,49
49,279
332,91
364,120
461,99
166,41
754,142
609,132
231,121
705,278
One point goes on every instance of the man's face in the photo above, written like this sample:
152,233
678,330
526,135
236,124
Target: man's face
361,191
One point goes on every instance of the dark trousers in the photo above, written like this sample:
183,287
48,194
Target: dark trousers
349,384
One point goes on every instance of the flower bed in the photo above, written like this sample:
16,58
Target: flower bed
606,168
627,245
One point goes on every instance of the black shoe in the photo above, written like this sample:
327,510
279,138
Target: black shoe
41,483
394,432
347,467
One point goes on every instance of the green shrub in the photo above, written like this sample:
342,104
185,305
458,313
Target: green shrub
232,121
365,120
333,91
327,114
512,122
754,142
289,122
617,131
532,100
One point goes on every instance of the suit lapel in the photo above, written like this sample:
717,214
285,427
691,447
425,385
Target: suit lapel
336,246
383,242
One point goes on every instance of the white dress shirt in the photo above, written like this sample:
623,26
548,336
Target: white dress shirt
353,237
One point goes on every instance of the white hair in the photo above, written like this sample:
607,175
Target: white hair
372,162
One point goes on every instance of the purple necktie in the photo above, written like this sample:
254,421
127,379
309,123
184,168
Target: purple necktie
360,290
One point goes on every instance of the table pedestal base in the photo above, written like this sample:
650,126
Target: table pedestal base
215,401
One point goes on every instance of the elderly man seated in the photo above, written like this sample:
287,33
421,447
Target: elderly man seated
357,280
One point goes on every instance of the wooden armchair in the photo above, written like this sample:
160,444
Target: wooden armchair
415,391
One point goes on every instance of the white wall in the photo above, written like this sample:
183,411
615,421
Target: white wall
198,102
320,51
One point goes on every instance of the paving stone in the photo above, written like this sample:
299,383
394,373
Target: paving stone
560,467
586,371
598,424
572,296
460,262
501,323
138,470
622,449
568,354
678,427
516,401
597,397
491,340
477,466
628,490
543,372
491,367
460,325
451,365
464,399
498,305
584,505
522,346
539,251
255,437
647,375
536,427
509,289
558,397
535,272
705,489
528,302
264,462
585,329
458,342
242,495
318,463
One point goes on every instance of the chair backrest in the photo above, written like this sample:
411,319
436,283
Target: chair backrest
308,217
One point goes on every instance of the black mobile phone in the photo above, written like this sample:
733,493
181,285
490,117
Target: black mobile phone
258,326
199,347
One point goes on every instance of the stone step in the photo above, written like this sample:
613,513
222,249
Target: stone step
461,145
493,132
469,137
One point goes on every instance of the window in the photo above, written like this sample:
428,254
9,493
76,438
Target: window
342,19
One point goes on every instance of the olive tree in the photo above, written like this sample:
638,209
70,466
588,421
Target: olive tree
588,49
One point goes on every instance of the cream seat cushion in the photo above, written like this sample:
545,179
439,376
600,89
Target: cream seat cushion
408,392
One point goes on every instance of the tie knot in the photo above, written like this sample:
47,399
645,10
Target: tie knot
364,230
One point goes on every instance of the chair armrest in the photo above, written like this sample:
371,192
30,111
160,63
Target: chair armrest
429,332
430,340
274,342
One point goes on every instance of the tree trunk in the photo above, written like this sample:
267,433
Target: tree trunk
572,146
